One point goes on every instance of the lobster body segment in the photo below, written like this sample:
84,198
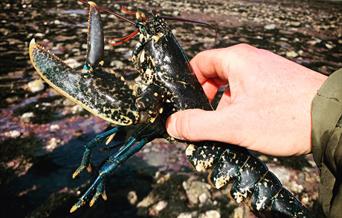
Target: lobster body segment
167,84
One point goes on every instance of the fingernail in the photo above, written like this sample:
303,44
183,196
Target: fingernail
171,126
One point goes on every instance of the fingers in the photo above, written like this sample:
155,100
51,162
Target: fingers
215,67
219,63
197,125
210,64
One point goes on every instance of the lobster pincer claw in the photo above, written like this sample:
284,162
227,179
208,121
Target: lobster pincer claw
95,41
102,94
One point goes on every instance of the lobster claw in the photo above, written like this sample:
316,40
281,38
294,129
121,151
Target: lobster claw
95,41
102,94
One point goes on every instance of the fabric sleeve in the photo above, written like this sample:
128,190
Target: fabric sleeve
327,142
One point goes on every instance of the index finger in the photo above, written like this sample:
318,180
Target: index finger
210,64
209,69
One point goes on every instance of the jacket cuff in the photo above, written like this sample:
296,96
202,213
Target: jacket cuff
326,112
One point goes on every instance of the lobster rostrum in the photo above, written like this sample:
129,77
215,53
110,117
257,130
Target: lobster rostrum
167,84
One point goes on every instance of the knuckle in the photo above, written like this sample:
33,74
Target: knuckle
243,48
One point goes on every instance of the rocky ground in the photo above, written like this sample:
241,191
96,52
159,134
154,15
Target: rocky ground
42,134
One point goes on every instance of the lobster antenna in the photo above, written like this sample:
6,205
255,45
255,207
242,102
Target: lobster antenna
108,11
188,21
215,27
120,41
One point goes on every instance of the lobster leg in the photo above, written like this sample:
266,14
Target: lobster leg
132,146
90,146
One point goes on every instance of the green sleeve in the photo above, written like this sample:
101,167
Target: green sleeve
327,142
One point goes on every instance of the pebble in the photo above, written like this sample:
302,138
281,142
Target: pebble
329,46
68,102
26,117
52,144
203,198
39,35
161,205
196,191
210,214
132,197
157,208
239,213
35,86
184,215
76,109
147,201
12,134
54,127
72,63
118,64
295,23
292,54
270,27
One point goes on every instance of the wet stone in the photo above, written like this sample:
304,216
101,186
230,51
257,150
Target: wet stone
71,62
157,208
185,215
26,117
270,27
210,214
35,86
132,197
197,192
12,134
292,54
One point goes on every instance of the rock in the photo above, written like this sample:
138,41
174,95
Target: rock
184,215
292,54
26,117
239,212
72,63
35,86
329,45
295,187
157,208
67,102
147,201
117,64
197,192
295,23
12,134
203,198
39,35
132,197
52,144
314,41
210,214
54,127
76,109
270,27
161,178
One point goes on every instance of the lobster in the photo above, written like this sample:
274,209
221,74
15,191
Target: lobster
166,84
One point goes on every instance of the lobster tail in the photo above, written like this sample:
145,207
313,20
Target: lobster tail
252,182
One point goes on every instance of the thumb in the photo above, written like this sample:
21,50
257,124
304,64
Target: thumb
198,125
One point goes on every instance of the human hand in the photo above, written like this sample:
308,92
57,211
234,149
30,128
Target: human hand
267,108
